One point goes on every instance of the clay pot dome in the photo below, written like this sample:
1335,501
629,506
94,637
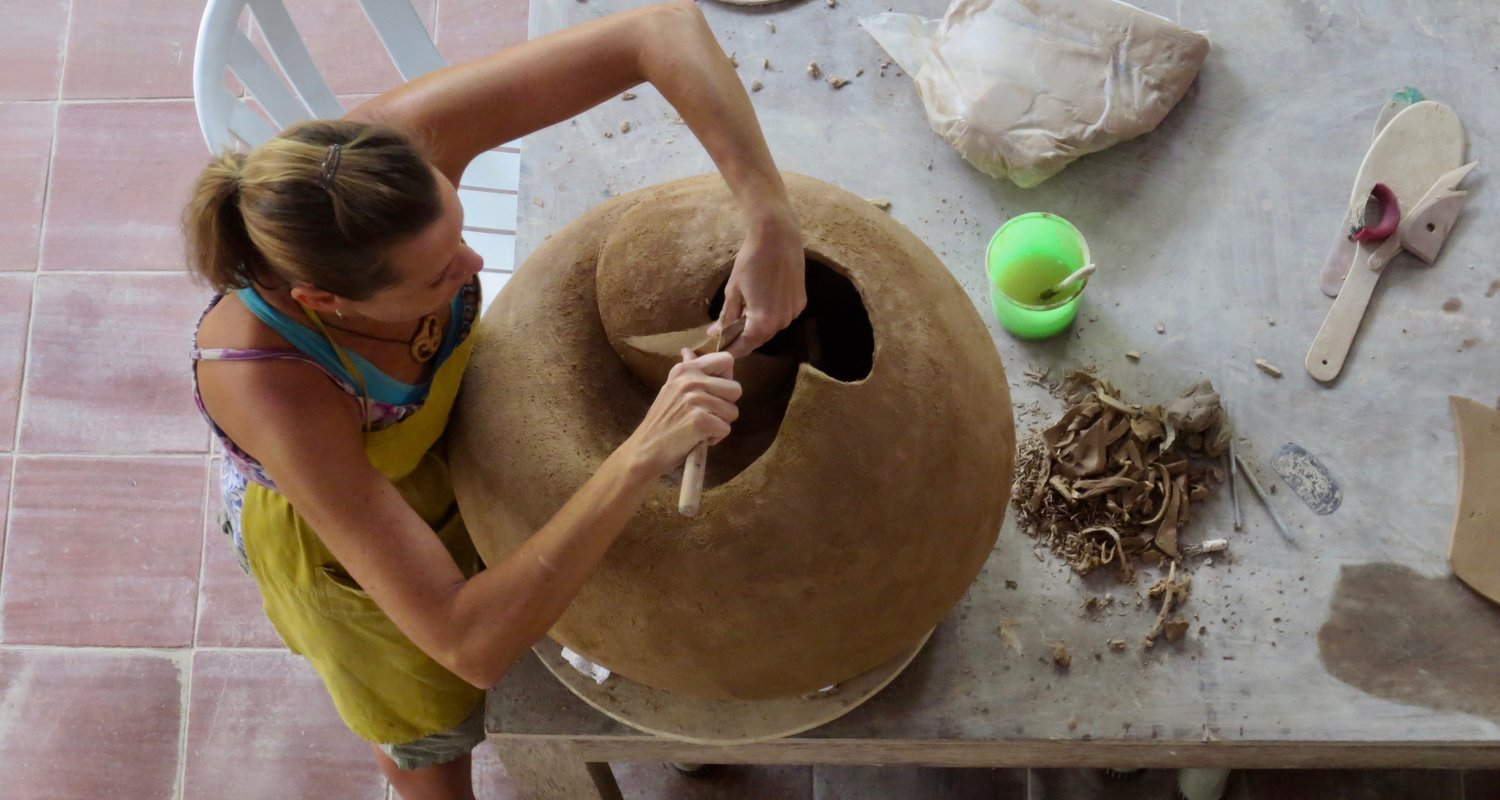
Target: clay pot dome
863,487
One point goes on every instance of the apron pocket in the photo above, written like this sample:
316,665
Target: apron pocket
339,595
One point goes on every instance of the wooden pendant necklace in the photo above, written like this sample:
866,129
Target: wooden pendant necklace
423,344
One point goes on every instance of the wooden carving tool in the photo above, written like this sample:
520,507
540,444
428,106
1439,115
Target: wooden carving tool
1234,492
1409,153
1265,500
691,494
1422,233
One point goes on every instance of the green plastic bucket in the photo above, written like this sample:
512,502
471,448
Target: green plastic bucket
1027,255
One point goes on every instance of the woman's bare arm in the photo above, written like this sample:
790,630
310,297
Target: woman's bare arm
469,108
306,434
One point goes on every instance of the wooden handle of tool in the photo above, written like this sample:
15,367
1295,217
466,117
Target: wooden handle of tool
697,461
1337,263
692,481
1331,347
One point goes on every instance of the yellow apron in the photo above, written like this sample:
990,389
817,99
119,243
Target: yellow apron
385,688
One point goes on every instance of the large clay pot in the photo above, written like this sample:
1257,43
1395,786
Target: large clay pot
857,499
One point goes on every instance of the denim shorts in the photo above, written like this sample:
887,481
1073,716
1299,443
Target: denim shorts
441,747
428,751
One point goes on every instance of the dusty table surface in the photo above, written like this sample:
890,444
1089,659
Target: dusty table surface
1215,225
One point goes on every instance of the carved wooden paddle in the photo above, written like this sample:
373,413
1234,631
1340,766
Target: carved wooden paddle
1421,233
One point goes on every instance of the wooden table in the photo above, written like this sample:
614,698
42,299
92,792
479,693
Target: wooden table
1214,225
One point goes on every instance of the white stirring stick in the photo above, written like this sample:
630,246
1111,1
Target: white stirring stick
1078,275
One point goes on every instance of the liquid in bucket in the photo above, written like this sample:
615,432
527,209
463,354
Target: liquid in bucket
1031,275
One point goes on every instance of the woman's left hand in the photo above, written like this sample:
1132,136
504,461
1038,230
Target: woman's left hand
767,285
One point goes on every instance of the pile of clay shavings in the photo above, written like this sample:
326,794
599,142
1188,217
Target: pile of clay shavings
1111,483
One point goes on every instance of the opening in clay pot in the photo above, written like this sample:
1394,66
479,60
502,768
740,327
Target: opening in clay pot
833,333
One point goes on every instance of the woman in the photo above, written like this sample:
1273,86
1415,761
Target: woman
328,364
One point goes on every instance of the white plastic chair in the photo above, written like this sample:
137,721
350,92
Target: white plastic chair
488,186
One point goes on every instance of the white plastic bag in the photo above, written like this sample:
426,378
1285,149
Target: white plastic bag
1023,87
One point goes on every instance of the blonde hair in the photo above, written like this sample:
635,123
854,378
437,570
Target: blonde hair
320,204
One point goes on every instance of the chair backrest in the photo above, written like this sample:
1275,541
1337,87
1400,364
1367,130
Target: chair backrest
223,45
488,188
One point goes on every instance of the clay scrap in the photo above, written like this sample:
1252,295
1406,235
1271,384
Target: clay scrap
1112,483
1170,592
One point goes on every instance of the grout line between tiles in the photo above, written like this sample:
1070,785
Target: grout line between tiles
26,339
35,292
10,505
208,482
107,272
179,786
187,691
110,456
102,101
15,443
62,63
62,72
41,252
125,650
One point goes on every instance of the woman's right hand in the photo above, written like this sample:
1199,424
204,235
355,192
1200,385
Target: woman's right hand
696,404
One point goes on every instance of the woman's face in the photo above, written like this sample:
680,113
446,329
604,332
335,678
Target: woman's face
431,266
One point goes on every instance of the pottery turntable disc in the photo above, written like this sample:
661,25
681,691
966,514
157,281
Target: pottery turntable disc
698,721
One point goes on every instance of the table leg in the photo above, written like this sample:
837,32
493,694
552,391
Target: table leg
544,770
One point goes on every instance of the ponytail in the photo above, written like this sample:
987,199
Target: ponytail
321,204
219,249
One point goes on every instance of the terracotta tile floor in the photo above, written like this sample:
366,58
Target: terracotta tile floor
134,659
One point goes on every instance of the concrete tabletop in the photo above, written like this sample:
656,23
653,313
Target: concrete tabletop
1214,225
